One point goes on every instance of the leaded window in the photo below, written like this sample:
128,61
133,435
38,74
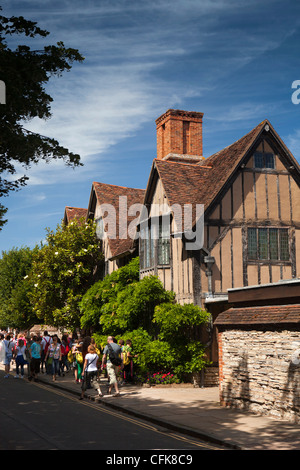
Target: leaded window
268,244
264,160
164,244
252,243
100,229
155,243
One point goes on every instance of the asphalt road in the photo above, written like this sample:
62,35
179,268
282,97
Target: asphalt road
38,417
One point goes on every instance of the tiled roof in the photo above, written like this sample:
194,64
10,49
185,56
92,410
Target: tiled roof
110,194
200,183
74,213
278,314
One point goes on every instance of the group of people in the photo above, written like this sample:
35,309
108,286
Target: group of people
36,352
52,355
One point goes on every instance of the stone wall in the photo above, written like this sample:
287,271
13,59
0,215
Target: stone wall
259,371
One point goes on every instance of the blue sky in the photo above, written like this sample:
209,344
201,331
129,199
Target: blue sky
233,60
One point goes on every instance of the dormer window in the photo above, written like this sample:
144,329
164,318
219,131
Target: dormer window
264,160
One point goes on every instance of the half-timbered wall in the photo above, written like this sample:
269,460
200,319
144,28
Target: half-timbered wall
268,201
177,275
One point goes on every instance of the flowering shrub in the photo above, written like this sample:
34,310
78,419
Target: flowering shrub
161,378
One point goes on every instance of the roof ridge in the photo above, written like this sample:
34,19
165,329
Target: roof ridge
193,165
261,124
117,186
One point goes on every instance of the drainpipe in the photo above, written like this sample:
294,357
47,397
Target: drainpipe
209,261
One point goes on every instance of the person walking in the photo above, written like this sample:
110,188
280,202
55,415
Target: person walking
20,358
35,352
65,349
54,355
2,349
9,347
46,341
77,351
128,361
110,349
90,371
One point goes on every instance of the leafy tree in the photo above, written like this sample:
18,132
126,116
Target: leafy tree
25,73
165,335
157,355
121,302
3,211
63,270
180,326
134,306
15,308
105,292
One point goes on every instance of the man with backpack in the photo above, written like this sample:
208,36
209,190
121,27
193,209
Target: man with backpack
112,355
46,341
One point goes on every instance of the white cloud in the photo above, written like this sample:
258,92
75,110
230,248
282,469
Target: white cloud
127,77
241,112
97,109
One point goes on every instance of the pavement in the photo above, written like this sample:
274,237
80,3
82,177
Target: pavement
192,411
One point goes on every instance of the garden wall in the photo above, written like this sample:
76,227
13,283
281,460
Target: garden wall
259,370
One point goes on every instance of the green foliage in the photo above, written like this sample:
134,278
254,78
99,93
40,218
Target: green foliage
165,335
180,326
3,211
121,302
101,340
158,355
101,296
15,308
62,272
133,306
180,321
193,359
26,73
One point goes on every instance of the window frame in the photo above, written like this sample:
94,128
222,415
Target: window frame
265,163
100,233
154,248
261,246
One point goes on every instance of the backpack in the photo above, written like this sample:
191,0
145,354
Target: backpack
113,356
70,356
79,357
126,358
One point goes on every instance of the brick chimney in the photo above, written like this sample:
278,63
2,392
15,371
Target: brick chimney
179,136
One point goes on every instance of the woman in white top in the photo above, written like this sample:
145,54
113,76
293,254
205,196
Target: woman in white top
54,354
90,372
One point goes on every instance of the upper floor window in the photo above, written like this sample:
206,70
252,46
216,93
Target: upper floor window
268,244
100,229
264,160
164,244
154,244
